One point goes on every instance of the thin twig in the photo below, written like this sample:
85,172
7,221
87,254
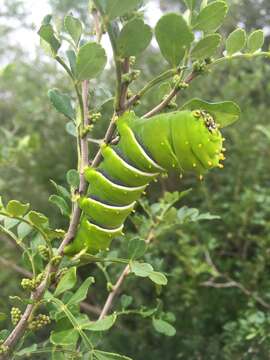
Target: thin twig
11,265
157,80
89,308
112,295
124,85
229,282
157,109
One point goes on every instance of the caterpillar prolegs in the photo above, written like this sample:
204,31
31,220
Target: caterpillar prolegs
179,141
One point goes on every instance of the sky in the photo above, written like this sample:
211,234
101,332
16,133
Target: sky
37,9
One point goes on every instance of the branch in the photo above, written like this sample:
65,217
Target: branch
230,283
161,77
11,265
37,295
112,295
157,109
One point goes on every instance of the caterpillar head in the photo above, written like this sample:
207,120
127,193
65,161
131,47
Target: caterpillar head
199,143
205,135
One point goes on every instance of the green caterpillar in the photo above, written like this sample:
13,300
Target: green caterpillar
179,141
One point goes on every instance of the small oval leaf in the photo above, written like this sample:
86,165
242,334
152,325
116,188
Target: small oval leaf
91,60
211,17
255,41
16,208
74,27
62,103
134,38
236,41
206,47
174,37
225,113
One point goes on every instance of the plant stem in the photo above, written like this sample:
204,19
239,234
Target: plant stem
38,293
157,109
161,77
112,295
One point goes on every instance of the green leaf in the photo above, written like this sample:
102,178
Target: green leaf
163,327
236,41
62,103
225,113
206,47
67,282
190,4
103,355
211,17
91,60
16,208
23,230
62,191
74,27
3,316
4,334
27,351
158,278
136,248
255,41
37,218
141,269
126,300
173,36
100,325
10,223
116,8
71,129
47,19
81,293
60,203
134,38
47,34
186,214
73,178
64,338
71,56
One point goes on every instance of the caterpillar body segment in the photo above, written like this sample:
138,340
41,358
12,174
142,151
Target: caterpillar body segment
179,141
104,188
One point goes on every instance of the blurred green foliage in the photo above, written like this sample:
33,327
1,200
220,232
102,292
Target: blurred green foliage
218,294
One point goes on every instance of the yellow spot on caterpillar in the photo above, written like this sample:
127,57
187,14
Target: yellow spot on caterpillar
173,165
200,145
122,233
196,113
133,211
201,177
224,149
210,163
208,139
222,157
117,212
144,193
136,175
194,164
221,166
162,143
186,142
223,139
